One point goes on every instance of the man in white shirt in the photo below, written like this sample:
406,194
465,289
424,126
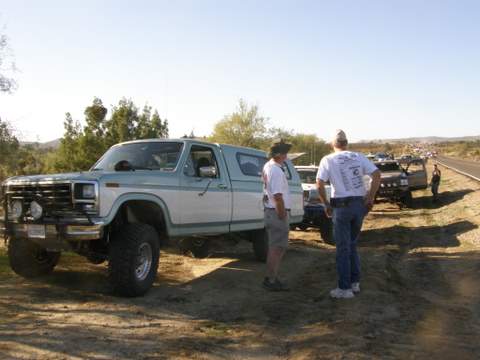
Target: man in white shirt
277,206
349,203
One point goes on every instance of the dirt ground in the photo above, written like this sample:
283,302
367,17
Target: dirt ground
420,297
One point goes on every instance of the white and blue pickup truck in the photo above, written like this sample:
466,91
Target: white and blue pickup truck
139,196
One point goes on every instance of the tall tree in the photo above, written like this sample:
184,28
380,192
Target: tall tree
245,127
123,123
9,146
92,144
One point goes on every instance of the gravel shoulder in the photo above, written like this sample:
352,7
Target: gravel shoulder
420,297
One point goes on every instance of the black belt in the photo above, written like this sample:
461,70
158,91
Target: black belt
344,201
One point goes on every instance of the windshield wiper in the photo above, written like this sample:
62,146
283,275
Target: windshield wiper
96,169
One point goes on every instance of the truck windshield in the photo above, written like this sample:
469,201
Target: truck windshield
388,166
308,176
142,156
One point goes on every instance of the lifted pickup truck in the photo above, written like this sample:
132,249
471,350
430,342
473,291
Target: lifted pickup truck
136,198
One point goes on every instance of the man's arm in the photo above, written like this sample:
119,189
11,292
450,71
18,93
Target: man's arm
280,206
370,198
322,194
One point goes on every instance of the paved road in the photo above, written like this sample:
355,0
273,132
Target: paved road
470,168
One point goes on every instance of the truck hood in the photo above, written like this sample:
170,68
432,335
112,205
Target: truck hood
391,175
87,175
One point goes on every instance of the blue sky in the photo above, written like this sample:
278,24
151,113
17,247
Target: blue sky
378,69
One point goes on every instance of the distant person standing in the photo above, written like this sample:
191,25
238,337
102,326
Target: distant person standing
277,206
435,183
349,203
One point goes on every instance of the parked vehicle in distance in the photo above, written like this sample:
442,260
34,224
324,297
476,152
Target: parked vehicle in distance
394,183
314,215
140,196
381,156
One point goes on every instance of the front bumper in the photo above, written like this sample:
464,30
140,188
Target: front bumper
52,232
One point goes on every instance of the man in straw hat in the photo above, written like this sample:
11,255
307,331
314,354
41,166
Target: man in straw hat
277,205
350,202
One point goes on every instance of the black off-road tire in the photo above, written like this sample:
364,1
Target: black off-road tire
259,240
30,260
127,250
407,199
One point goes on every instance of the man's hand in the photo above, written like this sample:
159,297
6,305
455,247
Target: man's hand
280,206
369,202
370,198
328,210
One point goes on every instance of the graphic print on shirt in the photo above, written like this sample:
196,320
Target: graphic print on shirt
350,171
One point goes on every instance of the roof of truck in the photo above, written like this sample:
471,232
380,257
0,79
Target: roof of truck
187,140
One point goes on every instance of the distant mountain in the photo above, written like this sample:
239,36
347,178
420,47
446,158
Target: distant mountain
426,139
54,144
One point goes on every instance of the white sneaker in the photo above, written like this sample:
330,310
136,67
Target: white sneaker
342,294
356,287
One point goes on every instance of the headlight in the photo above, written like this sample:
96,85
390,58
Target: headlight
404,182
84,191
88,191
36,210
15,210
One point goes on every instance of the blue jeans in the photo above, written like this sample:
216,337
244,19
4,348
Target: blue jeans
347,223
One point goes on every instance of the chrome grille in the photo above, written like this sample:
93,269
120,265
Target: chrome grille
54,197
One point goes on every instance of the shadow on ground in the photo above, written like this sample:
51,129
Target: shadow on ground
422,236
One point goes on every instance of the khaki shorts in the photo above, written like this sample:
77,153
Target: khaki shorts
277,229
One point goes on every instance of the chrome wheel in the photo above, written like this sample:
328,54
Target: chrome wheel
144,261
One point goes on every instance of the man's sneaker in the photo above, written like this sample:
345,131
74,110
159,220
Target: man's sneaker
356,287
274,286
342,294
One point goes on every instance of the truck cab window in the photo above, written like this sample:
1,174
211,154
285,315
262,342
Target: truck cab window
200,156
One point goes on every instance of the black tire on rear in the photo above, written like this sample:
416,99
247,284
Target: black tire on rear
198,247
259,240
125,259
30,260
302,226
407,199
326,231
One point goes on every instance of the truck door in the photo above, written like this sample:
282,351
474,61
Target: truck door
205,191
417,175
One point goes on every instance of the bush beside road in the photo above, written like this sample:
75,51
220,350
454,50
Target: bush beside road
420,297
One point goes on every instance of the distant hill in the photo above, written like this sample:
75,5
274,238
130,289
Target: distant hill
426,139
54,144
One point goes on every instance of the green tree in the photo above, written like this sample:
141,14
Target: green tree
92,143
122,126
68,157
9,146
151,126
81,147
309,144
244,127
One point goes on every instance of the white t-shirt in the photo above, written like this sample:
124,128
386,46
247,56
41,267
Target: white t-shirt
345,171
275,182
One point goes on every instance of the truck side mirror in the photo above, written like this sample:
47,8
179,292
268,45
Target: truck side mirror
208,171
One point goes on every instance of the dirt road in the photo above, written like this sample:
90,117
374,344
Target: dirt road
420,298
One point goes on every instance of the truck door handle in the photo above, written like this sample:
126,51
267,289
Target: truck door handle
222,186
